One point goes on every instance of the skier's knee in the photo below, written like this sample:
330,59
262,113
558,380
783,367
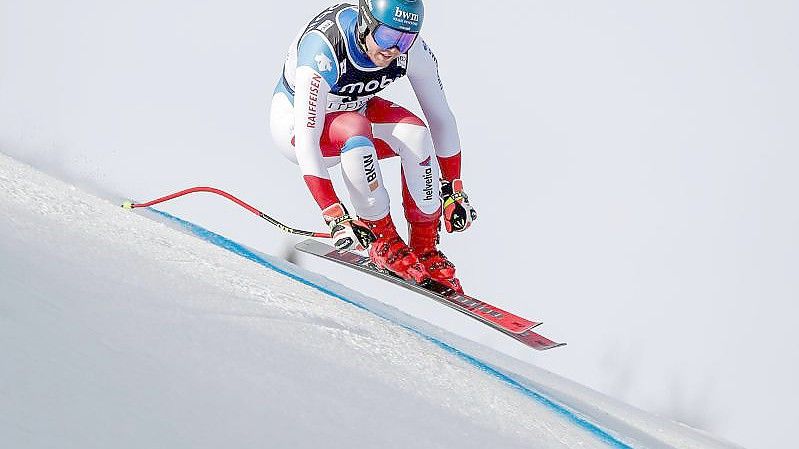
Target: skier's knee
419,139
347,125
416,142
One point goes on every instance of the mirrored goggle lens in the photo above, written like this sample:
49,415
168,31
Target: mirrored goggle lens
387,38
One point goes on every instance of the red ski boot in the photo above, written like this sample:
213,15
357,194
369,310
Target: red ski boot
423,240
391,253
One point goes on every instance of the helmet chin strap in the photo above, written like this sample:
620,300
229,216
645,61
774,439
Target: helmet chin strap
360,38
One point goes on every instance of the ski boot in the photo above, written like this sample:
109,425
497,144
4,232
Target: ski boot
423,238
391,253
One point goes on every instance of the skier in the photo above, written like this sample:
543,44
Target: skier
325,111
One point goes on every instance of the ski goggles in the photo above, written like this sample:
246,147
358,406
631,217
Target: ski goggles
387,38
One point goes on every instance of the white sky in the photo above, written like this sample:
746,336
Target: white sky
633,164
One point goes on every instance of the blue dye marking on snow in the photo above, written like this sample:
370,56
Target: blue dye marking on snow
243,251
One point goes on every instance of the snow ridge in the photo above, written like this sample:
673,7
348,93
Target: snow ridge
243,251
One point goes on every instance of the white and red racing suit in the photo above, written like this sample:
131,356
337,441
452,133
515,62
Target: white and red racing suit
325,111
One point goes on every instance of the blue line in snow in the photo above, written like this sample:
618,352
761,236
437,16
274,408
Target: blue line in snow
243,251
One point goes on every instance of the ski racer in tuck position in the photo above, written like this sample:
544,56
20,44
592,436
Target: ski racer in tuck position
325,111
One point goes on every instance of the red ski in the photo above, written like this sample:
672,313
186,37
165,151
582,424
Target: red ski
513,325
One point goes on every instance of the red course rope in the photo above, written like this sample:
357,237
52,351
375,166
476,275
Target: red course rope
131,205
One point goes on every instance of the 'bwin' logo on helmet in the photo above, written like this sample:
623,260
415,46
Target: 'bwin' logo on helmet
405,15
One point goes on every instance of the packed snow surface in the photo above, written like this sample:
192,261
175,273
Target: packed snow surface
121,330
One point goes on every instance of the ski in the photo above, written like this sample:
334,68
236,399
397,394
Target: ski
512,325
536,340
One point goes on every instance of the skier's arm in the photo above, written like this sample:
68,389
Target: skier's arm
317,70
426,83
423,73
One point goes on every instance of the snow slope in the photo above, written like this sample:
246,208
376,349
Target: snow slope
118,330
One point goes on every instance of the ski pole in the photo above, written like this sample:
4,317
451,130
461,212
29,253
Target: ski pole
281,226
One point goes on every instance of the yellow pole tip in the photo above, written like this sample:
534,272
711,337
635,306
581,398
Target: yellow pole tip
127,205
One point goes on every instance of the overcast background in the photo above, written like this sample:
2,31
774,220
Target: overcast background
633,163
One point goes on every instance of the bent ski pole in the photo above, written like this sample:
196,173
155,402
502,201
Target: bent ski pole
281,226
